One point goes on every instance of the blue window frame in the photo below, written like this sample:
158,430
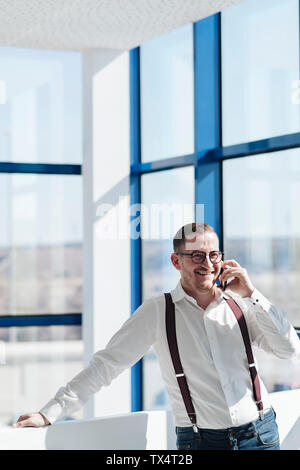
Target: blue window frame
33,110
41,226
51,319
207,159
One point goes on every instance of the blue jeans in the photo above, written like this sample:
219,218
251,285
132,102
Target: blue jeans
256,435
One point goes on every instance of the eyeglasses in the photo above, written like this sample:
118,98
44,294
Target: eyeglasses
199,257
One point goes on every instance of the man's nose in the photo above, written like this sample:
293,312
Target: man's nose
207,262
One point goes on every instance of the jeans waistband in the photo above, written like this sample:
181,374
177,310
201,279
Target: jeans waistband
268,415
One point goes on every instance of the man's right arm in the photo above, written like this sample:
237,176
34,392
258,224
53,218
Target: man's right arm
127,346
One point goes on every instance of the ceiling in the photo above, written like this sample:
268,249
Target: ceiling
94,24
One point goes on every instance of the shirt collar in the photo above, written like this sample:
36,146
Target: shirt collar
179,293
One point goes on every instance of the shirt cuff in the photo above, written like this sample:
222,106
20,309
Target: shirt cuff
52,410
258,300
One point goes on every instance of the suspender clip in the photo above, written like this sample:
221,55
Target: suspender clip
260,411
193,419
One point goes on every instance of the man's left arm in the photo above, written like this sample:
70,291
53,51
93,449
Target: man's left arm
269,326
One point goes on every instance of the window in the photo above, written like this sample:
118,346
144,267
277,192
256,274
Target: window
40,244
260,69
34,362
40,106
169,207
262,225
167,95
41,226
262,232
244,98
166,209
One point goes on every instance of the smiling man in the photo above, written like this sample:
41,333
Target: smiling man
198,260
203,339
197,257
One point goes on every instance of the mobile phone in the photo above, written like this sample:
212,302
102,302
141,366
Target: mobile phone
223,286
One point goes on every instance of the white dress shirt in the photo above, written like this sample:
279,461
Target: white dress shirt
212,353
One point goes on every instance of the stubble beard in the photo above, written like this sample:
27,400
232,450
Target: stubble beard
198,285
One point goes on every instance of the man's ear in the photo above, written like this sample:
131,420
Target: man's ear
175,261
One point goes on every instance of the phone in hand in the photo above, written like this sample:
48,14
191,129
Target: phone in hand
223,286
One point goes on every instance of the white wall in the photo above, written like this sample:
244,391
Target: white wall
106,247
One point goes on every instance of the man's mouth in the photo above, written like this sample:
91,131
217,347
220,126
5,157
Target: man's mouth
205,273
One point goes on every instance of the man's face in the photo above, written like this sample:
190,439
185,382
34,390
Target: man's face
203,276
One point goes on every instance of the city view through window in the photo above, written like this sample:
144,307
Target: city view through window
41,224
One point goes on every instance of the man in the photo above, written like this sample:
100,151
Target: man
211,349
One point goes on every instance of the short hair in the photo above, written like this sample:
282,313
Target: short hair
188,229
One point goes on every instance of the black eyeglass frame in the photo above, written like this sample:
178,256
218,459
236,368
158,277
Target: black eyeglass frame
195,253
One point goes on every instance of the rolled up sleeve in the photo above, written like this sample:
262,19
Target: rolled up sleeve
127,346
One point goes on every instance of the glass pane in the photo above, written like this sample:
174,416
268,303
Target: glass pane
34,363
40,106
260,70
262,232
168,203
167,95
40,244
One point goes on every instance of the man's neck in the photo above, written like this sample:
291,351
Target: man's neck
203,298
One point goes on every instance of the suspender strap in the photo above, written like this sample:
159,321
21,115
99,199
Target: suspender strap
173,346
245,334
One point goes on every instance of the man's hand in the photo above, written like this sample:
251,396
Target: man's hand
35,420
241,283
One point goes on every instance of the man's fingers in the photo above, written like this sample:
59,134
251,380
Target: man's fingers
233,272
230,272
230,261
33,420
23,417
22,423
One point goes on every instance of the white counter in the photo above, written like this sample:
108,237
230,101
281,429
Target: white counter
136,431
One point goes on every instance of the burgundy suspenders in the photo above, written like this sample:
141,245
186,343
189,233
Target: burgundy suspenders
251,364
173,346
